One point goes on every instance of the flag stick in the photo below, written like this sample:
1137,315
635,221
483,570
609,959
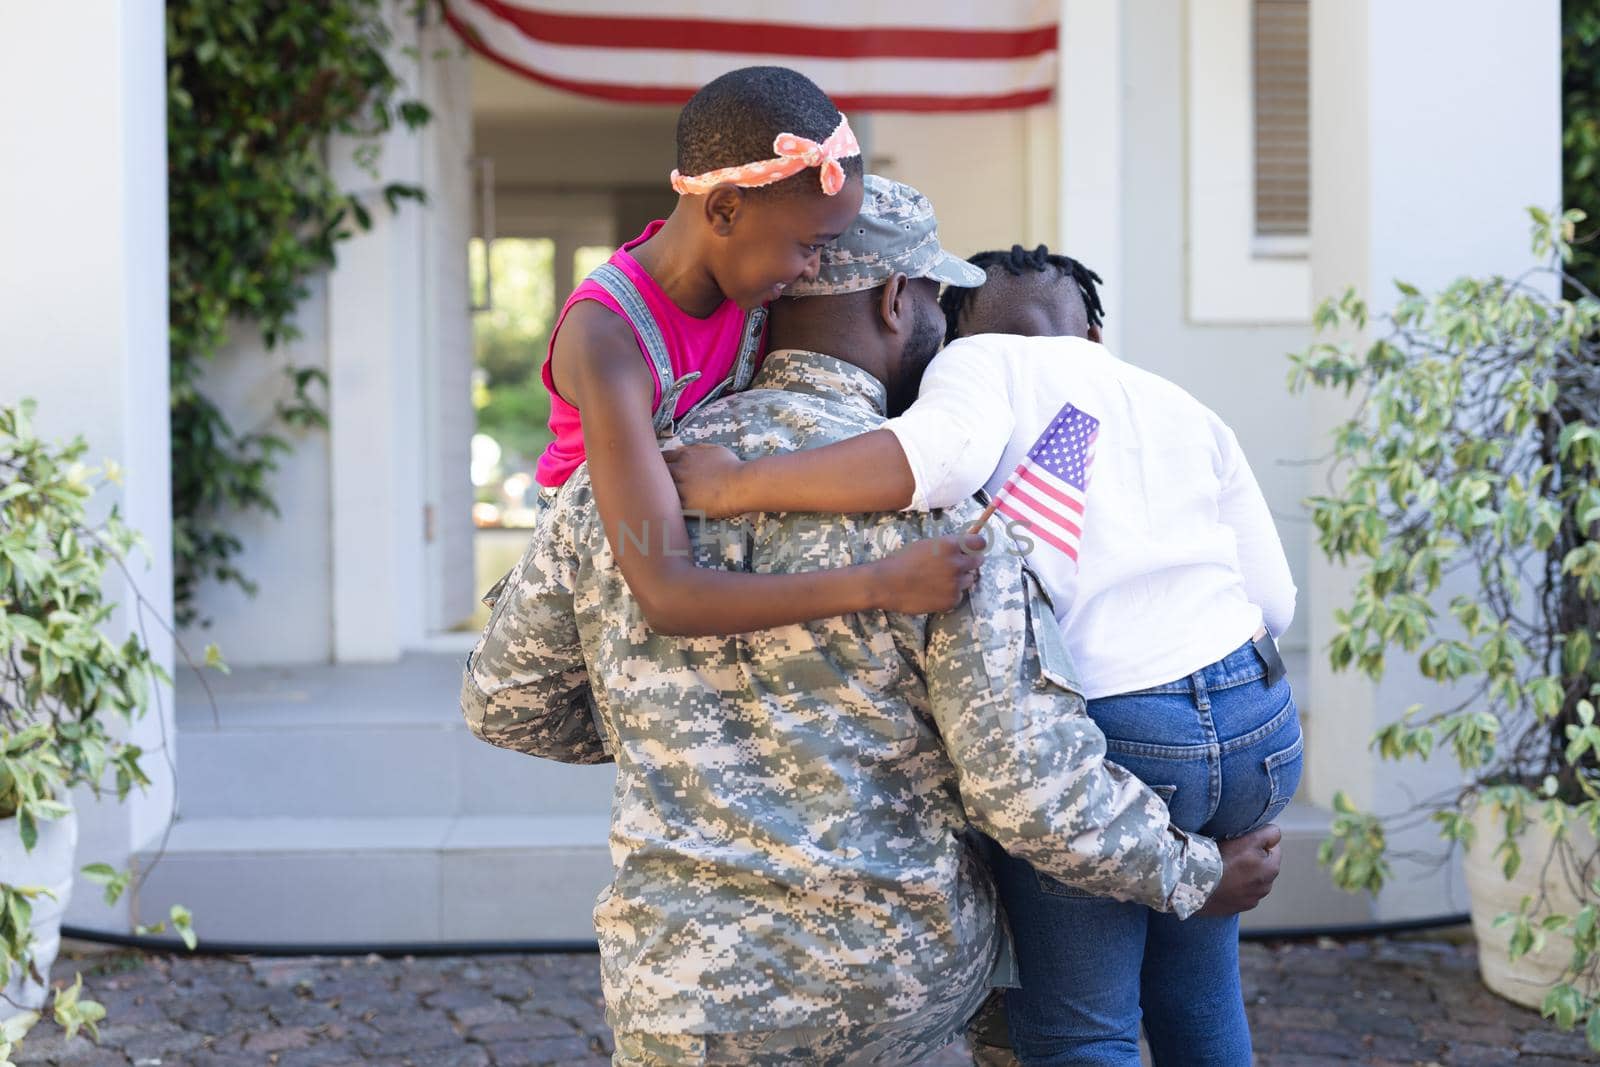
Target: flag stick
983,519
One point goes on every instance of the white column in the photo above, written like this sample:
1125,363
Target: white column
83,316
1089,103
447,355
1430,135
375,330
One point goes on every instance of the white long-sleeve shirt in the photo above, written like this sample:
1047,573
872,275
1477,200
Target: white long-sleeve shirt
1178,559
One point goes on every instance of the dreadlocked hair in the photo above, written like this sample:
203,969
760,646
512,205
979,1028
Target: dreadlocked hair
1016,262
734,119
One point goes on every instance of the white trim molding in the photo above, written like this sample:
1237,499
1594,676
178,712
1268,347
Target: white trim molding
1232,276
1089,108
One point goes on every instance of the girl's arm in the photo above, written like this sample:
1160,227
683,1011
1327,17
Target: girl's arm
868,472
596,366
941,451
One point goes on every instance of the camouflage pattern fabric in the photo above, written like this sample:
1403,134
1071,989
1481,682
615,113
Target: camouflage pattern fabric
786,826
892,1044
896,232
528,664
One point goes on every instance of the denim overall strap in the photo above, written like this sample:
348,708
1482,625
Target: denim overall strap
744,367
626,294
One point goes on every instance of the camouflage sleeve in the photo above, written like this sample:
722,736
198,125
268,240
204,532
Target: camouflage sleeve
526,686
1031,763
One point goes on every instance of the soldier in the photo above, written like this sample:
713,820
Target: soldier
792,881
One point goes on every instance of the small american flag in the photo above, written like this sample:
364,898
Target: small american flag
1047,490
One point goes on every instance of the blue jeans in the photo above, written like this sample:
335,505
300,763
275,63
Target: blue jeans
1223,749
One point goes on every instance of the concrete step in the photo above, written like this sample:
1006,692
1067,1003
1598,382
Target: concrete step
359,742
493,878
377,771
330,881
337,805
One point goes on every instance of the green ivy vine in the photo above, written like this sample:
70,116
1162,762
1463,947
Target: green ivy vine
1580,114
255,89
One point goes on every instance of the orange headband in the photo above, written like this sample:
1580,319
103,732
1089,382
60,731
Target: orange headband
795,154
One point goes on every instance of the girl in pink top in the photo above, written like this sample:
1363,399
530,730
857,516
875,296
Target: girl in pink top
674,318
710,346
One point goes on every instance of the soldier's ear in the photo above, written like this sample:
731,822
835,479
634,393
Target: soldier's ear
894,306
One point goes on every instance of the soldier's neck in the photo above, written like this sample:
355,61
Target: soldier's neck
825,324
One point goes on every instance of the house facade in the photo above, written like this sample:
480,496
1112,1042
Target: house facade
1223,164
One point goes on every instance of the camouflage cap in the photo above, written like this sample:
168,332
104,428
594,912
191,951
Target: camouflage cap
895,232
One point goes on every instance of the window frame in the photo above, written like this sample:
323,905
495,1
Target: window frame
1234,276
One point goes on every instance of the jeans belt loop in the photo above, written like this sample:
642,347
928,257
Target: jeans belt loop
1202,696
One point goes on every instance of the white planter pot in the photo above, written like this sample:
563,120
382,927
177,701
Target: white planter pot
51,865
1526,980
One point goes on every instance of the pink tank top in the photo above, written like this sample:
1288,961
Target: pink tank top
710,346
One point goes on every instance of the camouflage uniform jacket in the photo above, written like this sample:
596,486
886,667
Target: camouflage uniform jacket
785,826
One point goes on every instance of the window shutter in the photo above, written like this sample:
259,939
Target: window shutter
1282,60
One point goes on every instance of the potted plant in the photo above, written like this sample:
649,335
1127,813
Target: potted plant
1466,500
66,687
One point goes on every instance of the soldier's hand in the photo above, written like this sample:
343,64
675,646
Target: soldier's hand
1249,867
929,575
706,478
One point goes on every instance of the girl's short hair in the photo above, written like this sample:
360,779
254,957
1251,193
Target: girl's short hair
734,119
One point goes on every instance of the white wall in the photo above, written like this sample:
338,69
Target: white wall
287,555
555,153
1430,136
1237,370
1091,91
83,320
991,176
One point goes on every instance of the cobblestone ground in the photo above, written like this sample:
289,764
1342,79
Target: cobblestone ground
1413,1000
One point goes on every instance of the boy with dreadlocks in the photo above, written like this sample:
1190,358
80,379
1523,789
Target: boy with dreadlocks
1141,518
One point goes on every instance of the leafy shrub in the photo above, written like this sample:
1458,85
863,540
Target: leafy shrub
66,686
1473,462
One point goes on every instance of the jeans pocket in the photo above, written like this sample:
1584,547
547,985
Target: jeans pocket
1283,770
1054,887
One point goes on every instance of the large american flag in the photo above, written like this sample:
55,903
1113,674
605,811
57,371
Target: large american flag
868,55
1048,490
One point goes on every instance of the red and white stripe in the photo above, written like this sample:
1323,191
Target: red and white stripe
1051,509
932,55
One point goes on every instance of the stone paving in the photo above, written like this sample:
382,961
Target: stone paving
1405,1000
